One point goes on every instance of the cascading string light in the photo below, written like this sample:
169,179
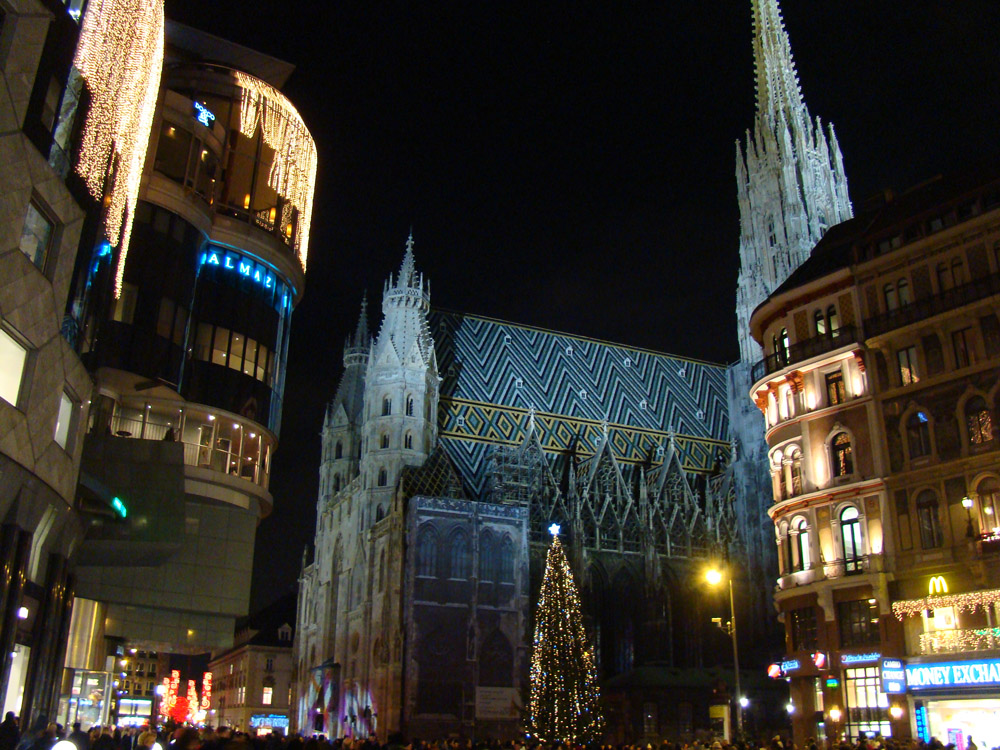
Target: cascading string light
969,601
293,170
119,56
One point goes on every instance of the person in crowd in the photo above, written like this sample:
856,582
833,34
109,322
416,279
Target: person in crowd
79,738
9,732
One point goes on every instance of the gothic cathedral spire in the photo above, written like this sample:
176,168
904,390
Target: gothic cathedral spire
791,185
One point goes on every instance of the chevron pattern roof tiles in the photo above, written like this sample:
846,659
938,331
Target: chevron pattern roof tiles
495,372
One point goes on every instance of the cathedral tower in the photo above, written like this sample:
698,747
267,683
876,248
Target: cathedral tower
342,424
401,386
790,182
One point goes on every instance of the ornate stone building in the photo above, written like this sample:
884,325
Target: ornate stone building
791,188
452,443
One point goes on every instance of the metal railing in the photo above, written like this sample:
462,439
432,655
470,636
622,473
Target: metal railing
936,304
803,350
954,641
225,461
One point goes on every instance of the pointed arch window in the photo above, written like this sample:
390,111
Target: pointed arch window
929,520
408,440
381,571
384,441
459,557
978,420
427,552
383,478
918,434
338,452
506,560
772,237
850,534
802,544
843,459
487,558
409,406
379,513
386,406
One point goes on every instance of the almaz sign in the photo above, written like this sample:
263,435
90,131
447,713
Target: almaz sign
237,263
953,674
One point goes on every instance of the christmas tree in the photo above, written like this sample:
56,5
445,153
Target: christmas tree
564,693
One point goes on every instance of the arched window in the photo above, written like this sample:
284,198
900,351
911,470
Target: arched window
384,442
381,571
774,346
928,520
427,552
506,560
978,420
487,558
336,482
831,320
383,478
784,344
988,491
796,473
408,440
772,238
338,452
903,287
786,549
409,406
379,513
891,297
850,534
459,557
918,434
803,544
820,320
386,406
843,460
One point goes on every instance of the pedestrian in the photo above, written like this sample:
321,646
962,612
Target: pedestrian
79,738
9,732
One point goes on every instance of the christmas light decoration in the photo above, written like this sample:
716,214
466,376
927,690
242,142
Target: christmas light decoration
293,170
206,691
564,693
967,602
950,641
119,56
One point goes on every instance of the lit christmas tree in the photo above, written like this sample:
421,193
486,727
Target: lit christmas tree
564,693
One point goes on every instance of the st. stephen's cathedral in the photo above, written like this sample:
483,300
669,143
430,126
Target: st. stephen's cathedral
455,441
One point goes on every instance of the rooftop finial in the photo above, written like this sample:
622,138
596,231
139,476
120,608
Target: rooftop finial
406,271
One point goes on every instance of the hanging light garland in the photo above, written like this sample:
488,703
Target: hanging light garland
119,55
293,170
969,601
949,641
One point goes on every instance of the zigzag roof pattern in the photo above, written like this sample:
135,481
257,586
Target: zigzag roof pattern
495,372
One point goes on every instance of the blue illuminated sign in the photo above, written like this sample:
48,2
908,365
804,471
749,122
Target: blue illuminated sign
921,716
860,658
953,674
119,507
275,721
893,676
790,665
243,266
203,115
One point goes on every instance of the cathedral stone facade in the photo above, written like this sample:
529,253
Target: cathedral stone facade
452,444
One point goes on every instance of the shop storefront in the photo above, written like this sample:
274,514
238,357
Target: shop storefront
956,700
267,723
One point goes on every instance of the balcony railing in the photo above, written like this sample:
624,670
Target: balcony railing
833,569
954,641
803,350
226,461
925,308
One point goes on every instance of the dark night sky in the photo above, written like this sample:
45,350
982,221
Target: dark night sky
571,165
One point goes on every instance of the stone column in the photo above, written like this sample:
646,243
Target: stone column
15,547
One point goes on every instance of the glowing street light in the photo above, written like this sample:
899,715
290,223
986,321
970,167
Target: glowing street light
714,577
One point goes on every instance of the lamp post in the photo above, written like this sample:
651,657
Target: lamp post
714,577
967,504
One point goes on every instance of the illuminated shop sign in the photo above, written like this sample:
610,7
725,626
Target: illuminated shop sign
790,665
236,263
953,674
893,676
921,716
203,115
860,658
276,721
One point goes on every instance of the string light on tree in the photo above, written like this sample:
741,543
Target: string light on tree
564,704
119,56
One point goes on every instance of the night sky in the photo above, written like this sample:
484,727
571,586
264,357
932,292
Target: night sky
571,165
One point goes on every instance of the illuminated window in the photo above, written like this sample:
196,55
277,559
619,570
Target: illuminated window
36,236
978,420
13,360
820,321
850,534
802,628
832,320
802,544
907,360
784,343
843,461
220,348
835,393
867,706
928,520
918,434
64,422
988,491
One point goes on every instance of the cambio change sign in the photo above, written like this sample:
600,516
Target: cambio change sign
953,674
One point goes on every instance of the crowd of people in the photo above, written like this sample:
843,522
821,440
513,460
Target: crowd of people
44,734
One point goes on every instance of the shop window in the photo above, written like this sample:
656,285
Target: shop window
803,629
978,421
918,435
962,344
459,556
850,535
13,362
843,460
867,707
928,520
835,393
907,360
857,622
427,552
36,235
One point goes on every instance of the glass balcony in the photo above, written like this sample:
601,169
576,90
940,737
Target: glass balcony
955,641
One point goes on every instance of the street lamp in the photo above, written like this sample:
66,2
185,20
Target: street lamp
967,504
714,577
